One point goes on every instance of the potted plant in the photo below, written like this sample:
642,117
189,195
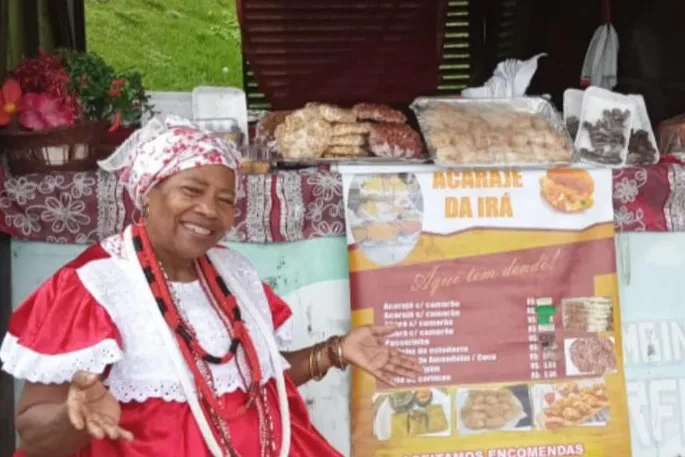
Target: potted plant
65,111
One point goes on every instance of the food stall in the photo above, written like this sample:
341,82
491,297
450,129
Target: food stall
299,223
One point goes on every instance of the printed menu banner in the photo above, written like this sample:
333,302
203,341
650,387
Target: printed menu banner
503,285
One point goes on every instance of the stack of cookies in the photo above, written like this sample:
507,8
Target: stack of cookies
322,130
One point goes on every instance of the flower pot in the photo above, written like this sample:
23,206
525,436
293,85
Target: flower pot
118,136
69,148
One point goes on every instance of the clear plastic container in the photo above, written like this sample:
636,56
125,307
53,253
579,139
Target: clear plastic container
525,131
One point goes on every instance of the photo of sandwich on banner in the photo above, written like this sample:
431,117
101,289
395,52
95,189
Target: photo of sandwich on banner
568,190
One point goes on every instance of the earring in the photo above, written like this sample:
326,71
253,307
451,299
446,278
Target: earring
144,212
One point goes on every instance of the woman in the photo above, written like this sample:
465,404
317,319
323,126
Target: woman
157,343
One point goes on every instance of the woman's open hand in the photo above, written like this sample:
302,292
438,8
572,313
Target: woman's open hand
365,348
92,407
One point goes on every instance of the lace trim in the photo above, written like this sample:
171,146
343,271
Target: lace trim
227,380
284,335
132,379
24,363
139,390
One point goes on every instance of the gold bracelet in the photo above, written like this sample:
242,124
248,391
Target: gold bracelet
317,362
342,363
335,352
311,363
331,352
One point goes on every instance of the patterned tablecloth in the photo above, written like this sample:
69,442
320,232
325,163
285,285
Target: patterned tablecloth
283,206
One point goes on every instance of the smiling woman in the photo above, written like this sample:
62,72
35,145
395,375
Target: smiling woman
189,213
158,342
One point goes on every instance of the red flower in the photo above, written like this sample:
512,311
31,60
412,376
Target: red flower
42,111
116,122
114,92
10,100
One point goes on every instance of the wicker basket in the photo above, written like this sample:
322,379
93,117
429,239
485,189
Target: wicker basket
73,148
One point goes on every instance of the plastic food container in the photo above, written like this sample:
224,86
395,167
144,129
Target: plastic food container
525,131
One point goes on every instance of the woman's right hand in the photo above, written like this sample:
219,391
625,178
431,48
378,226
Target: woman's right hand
91,407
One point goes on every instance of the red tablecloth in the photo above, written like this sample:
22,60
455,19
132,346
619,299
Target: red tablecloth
283,206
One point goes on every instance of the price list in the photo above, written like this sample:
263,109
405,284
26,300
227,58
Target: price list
542,346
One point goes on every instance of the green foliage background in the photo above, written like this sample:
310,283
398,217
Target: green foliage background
176,44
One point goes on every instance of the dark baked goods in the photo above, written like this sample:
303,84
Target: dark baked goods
593,355
395,141
641,151
378,113
607,137
266,129
573,125
671,135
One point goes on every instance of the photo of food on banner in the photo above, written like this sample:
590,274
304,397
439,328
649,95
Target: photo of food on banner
385,213
568,190
588,348
566,342
482,410
423,412
582,403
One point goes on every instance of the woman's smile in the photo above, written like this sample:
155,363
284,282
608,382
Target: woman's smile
198,230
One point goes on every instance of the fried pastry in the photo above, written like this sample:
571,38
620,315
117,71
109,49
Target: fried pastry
304,134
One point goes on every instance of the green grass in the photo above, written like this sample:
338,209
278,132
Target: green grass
175,44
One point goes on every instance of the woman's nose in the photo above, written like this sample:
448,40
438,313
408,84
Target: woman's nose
207,207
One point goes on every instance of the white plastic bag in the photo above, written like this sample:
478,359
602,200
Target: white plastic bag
510,79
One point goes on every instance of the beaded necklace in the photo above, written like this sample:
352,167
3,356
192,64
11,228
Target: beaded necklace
197,358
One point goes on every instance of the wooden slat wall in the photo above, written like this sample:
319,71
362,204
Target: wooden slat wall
457,57
506,30
342,51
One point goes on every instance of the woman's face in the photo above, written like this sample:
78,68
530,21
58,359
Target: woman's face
191,211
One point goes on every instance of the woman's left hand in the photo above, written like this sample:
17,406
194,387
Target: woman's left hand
365,348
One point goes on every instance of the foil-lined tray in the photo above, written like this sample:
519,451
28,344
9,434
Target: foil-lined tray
515,132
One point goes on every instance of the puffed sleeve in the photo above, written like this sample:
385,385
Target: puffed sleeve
282,317
59,330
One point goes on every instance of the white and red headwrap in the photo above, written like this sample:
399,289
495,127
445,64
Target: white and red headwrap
160,150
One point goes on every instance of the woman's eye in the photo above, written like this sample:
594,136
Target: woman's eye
226,202
191,190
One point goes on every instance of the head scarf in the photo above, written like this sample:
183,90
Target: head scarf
161,150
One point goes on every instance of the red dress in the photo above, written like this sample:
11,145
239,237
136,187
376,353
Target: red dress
87,317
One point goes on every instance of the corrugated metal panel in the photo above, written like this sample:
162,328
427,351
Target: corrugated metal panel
347,51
